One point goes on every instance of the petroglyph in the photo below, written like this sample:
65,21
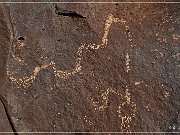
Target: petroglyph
66,74
102,104
87,121
104,98
27,81
138,82
127,63
147,107
166,94
126,118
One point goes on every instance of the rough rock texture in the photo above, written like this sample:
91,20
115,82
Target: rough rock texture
91,67
5,120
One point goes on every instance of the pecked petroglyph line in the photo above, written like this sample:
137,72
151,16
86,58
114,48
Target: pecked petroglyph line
103,103
127,63
78,67
65,74
126,118
27,81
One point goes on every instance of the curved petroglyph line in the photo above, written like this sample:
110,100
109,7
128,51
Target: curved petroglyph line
27,81
104,98
125,118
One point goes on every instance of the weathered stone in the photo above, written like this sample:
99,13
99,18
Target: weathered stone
93,67
6,124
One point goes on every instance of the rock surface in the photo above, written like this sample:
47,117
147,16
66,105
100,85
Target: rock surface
91,67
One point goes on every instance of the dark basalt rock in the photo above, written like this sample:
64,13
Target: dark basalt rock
90,67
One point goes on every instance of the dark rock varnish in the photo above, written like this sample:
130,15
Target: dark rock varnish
92,67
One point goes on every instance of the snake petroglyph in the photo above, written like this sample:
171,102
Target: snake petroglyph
27,81
103,103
